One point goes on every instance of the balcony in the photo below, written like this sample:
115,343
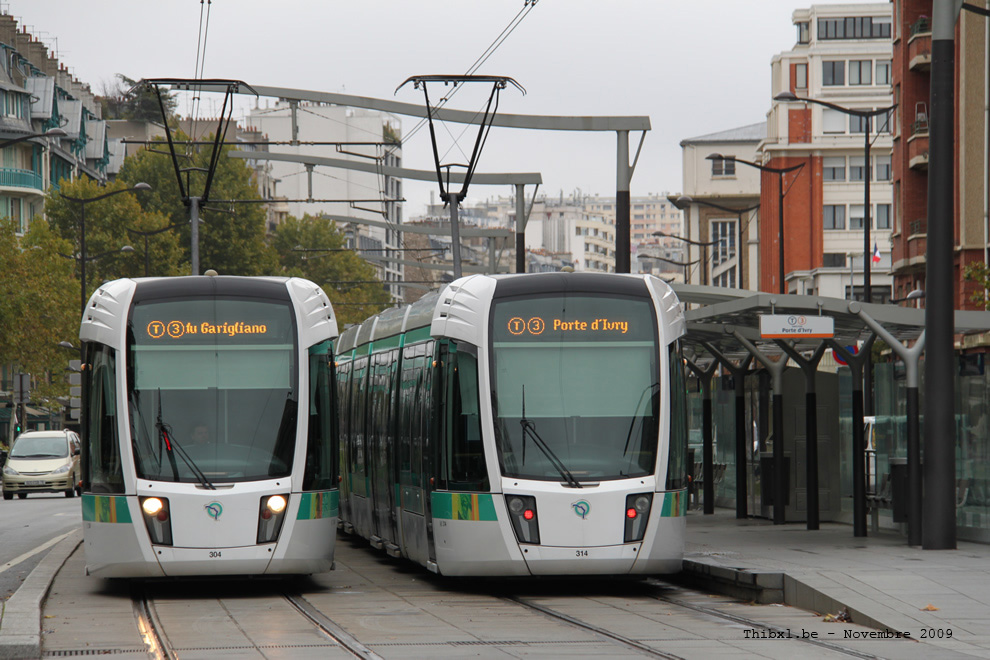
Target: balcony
920,45
14,178
918,146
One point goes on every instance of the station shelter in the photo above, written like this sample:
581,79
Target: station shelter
764,367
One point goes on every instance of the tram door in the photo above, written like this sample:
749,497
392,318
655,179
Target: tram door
380,463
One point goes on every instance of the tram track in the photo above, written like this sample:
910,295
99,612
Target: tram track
160,647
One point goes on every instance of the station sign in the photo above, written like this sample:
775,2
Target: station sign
796,326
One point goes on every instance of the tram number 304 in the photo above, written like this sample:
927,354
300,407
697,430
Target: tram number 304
214,554
580,553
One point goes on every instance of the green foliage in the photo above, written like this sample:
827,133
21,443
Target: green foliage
349,281
979,272
120,100
231,236
107,221
39,305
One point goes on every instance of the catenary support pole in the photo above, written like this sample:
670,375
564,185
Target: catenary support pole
455,233
194,234
939,530
623,175
521,228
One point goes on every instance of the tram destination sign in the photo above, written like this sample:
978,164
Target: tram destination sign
789,326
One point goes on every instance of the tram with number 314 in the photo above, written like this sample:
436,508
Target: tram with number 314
519,425
209,427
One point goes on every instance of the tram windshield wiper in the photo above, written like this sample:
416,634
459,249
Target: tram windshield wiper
529,428
173,447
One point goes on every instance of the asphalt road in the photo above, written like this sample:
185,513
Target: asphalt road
27,529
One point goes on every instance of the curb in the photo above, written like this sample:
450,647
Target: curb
20,621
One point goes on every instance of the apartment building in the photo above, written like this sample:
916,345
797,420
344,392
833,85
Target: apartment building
721,206
37,94
842,65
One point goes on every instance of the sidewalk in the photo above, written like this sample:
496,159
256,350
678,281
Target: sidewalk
878,580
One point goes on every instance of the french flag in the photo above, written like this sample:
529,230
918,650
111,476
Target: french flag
876,254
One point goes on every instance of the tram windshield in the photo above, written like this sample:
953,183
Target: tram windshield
575,387
210,387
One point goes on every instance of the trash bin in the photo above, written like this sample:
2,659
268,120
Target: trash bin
767,476
899,489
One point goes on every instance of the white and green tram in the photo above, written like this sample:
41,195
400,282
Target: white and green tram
209,427
519,425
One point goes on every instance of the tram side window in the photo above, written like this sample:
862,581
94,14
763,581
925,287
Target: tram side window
677,450
464,456
343,377
321,443
104,472
359,398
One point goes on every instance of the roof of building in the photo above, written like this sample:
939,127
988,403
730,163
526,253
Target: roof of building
42,90
751,133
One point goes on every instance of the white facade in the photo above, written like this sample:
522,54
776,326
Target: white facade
294,182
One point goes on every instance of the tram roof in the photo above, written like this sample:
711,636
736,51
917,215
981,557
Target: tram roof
721,311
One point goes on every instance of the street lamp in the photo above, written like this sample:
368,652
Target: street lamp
780,172
51,132
913,295
865,117
687,200
82,201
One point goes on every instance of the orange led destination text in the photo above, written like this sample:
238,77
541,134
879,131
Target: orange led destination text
597,325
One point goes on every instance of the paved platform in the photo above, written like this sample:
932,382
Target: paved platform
942,596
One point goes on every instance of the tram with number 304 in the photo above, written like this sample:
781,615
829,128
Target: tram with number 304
209,427
519,425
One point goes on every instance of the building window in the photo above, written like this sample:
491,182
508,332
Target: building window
861,72
854,27
724,237
801,76
834,260
858,124
883,168
834,168
883,72
803,32
834,73
723,167
856,216
883,216
856,169
833,121
834,216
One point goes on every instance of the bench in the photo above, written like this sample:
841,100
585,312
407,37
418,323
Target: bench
698,481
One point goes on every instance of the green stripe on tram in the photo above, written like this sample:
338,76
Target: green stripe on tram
674,504
313,506
463,506
419,334
105,509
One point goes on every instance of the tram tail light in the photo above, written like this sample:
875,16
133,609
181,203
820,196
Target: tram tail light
637,514
522,513
270,517
157,519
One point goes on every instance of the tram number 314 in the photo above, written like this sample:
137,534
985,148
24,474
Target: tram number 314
214,554
580,553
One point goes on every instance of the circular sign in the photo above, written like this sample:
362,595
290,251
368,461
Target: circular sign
838,358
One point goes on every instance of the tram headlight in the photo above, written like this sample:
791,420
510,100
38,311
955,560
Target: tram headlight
270,517
522,513
638,507
157,519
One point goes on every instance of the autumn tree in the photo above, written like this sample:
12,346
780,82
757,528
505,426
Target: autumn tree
232,223
108,222
39,306
351,283
122,99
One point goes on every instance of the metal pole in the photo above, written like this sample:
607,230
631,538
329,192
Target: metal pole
780,237
867,267
82,256
147,259
455,234
739,253
741,454
520,228
622,233
939,532
194,234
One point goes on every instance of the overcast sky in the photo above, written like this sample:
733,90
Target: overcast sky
693,66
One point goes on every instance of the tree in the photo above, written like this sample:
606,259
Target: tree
231,235
349,281
121,100
107,222
39,305
979,272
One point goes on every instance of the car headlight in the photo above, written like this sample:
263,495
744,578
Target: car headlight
61,470
9,471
